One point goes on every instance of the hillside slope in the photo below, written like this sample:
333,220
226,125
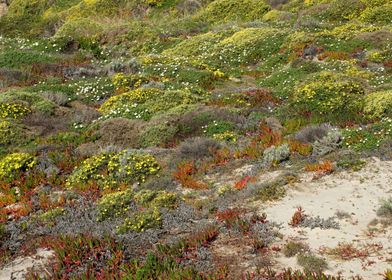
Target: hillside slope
195,139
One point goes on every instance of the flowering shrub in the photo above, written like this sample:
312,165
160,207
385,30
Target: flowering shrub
93,90
381,14
217,127
329,93
154,3
127,164
111,168
141,221
156,198
228,10
379,104
124,83
143,103
13,110
12,164
114,204
227,136
249,45
348,30
90,169
126,105
8,132
368,138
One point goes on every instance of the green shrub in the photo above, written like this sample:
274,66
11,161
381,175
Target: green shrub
158,134
24,102
13,110
217,128
109,169
271,191
379,104
79,29
385,209
328,93
114,204
312,263
10,133
293,248
149,198
380,15
230,10
19,58
141,221
143,103
24,16
368,138
12,164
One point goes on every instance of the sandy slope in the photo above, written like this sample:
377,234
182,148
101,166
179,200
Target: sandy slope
357,193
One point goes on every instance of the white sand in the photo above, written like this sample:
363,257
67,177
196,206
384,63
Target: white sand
359,194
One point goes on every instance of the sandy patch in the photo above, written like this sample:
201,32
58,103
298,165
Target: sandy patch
358,194
17,269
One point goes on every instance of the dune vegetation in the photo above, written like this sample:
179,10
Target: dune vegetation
152,139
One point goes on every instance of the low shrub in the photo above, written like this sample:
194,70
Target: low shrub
13,111
10,133
312,263
380,15
157,134
231,10
197,148
109,169
275,155
385,209
114,204
311,133
293,248
378,104
12,164
141,221
329,94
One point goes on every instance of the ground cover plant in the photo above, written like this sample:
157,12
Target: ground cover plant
151,139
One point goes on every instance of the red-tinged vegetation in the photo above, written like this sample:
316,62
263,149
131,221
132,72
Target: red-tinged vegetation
298,217
241,184
185,176
230,216
296,147
323,168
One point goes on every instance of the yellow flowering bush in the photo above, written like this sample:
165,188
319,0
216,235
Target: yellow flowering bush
156,198
14,163
8,132
128,104
227,10
144,103
13,110
228,136
130,165
124,83
348,30
379,104
141,221
114,204
90,169
329,93
381,14
154,3
107,169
